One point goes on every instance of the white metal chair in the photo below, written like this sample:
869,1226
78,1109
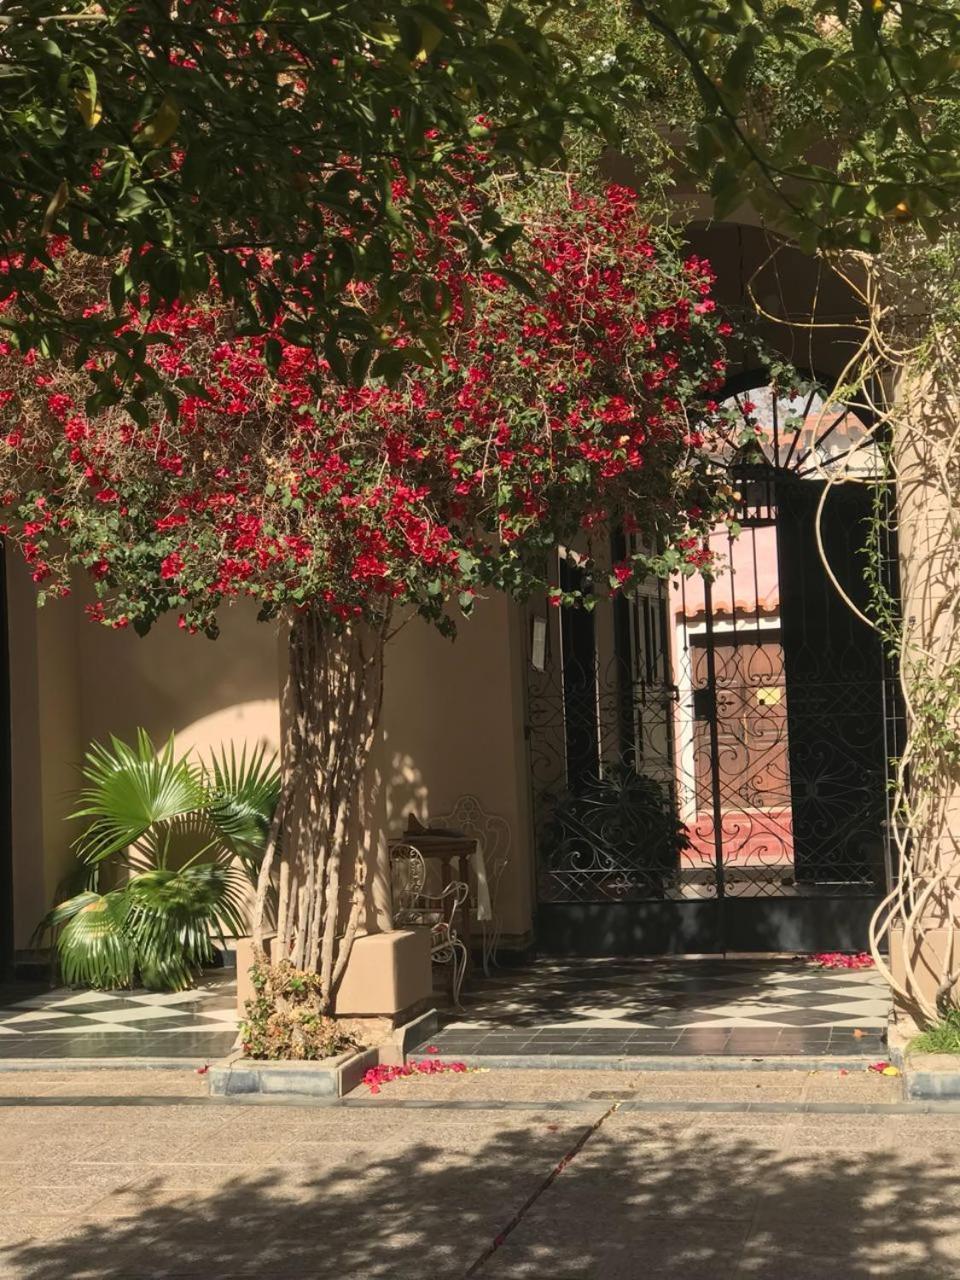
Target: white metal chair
492,834
414,908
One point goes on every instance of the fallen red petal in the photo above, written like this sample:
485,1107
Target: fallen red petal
384,1074
842,960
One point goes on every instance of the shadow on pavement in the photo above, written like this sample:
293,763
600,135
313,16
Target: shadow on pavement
664,1198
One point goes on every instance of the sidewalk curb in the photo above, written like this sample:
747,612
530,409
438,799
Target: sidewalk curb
660,1062
100,1064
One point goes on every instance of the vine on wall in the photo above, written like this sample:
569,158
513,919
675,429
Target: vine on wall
905,379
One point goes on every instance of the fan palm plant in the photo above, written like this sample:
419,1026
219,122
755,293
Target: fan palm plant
182,838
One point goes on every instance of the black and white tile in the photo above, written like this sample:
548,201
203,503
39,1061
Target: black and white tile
201,1022
672,1006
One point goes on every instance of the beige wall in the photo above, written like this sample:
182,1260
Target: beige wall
453,726
72,681
452,721
45,741
206,691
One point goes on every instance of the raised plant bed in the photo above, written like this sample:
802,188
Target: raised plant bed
326,1078
932,1076
926,1076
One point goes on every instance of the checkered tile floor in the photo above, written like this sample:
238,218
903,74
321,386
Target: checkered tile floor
672,1006
36,1022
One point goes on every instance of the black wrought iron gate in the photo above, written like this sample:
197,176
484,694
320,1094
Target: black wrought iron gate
710,763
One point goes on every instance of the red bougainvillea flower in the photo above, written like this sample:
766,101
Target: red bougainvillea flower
550,418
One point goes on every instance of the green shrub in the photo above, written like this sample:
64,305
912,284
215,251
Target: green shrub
942,1038
283,1019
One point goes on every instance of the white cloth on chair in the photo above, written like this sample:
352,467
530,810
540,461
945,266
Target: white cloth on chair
484,909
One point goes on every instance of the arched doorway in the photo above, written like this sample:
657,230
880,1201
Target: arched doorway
710,762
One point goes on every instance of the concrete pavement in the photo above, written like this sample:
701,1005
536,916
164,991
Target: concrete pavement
494,1175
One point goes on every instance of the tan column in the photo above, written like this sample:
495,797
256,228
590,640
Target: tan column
927,958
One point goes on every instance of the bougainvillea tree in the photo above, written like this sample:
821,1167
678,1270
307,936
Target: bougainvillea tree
343,510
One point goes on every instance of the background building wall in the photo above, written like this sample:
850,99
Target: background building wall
452,722
453,725
72,682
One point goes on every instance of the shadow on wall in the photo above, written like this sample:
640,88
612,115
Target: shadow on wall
208,692
664,1199
407,793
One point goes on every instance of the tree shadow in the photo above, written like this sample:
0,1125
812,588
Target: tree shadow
549,991
672,1197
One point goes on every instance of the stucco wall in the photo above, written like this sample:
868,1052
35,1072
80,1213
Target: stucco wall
206,691
452,720
453,726
46,738
72,681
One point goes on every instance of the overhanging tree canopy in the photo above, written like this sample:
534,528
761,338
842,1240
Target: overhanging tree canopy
168,141
838,119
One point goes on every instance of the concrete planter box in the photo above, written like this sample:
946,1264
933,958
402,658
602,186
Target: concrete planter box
926,1076
388,975
327,1078
932,1076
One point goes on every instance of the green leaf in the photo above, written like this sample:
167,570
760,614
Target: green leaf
131,789
161,127
56,204
87,99
389,365
243,797
93,947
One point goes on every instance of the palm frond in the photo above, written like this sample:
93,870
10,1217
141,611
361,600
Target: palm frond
132,790
172,915
244,795
181,830
81,882
93,946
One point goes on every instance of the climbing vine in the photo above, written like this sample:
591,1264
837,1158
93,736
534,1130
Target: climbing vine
903,378
913,307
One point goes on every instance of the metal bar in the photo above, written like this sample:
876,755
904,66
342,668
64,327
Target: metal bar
830,462
733,587
799,431
820,439
714,755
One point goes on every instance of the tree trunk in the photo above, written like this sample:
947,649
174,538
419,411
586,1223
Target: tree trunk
329,715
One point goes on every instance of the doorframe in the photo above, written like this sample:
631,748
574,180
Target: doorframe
7,920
